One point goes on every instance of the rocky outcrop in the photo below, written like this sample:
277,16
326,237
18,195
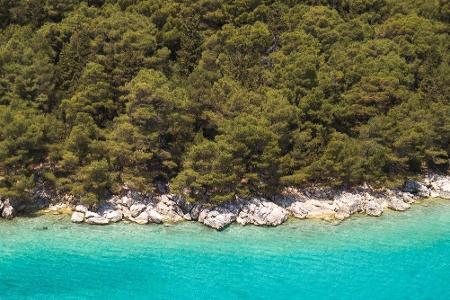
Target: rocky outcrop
262,212
142,219
137,209
220,216
372,208
398,203
439,186
154,217
417,188
309,203
168,209
91,214
133,207
81,208
340,205
348,204
318,209
114,216
195,211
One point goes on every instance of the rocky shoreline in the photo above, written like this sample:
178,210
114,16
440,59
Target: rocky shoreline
311,203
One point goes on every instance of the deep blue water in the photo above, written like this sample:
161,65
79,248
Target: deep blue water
397,256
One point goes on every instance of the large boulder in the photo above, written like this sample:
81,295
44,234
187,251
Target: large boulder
142,219
114,216
373,208
440,187
195,211
77,217
184,205
405,196
216,219
125,211
168,209
137,209
81,208
319,209
348,203
312,209
396,203
262,212
91,214
300,209
97,221
220,216
154,216
8,211
415,187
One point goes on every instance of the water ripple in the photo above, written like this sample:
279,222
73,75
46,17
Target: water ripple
397,256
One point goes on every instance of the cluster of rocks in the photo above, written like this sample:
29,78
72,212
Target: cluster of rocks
310,203
140,210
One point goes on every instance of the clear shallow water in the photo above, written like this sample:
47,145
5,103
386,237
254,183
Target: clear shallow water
397,256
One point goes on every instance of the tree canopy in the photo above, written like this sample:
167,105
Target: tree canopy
221,98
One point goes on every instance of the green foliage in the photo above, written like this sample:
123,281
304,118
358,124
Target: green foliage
24,139
94,178
207,173
93,96
148,141
220,98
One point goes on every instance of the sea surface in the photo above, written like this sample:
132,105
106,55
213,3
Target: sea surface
397,256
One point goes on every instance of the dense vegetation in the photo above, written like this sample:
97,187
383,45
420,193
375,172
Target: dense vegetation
221,97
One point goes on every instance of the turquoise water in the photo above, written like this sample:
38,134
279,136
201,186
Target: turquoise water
397,256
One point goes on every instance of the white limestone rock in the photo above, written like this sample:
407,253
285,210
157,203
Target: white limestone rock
142,219
406,197
220,216
348,203
8,211
137,209
396,203
215,219
262,212
299,209
125,211
195,211
321,210
440,187
91,214
154,217
97,221
415,187
77,217
373,208
313,209
114,216
168,209
81,208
